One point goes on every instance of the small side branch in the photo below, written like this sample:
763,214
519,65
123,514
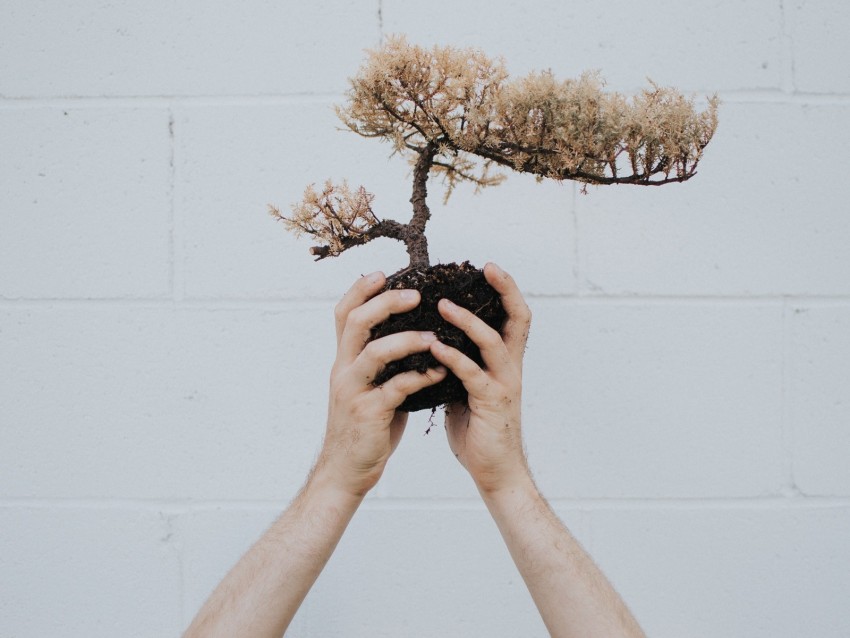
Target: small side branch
386,228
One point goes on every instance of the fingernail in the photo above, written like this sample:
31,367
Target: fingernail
440,370
428,337
375,277
449,304
409,295
499,271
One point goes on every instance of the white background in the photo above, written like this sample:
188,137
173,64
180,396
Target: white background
165,345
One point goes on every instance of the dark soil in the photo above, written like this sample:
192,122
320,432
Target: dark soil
464,285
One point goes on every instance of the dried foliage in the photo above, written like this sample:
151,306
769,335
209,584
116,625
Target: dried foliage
337,216
463,102
455,112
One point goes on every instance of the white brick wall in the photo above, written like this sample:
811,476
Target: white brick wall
164,344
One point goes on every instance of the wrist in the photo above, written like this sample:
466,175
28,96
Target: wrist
325,484
517,482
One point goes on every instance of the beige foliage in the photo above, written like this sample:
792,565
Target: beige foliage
456,112
333,215
465,103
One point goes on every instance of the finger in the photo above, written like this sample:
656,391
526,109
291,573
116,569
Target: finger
474,379
380,352
402,385
493,349
516,327
360,321
363,289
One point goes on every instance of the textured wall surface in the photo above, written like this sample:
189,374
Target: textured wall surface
165,345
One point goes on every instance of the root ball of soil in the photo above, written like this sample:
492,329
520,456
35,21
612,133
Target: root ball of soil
462,284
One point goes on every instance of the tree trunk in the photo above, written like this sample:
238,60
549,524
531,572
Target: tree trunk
416,242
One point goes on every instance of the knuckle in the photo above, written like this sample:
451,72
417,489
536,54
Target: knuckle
358,317
489,338
377,352
403,298
446,352
467,371
403,383
467,321
422,380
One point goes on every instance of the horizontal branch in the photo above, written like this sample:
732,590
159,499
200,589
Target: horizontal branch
641,179
386,228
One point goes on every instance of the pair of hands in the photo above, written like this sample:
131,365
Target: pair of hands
364,425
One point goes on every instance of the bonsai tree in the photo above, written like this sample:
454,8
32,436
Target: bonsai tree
455,113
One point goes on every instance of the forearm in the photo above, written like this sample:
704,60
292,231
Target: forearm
262,592
573,596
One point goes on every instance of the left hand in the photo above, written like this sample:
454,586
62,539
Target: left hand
364,425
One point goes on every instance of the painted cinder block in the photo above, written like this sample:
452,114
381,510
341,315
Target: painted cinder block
654,400
819,49
766,571
818,397
85,202
714,46
88,571
423,466
182,49
157,403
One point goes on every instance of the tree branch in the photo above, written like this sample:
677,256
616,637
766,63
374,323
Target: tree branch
386,228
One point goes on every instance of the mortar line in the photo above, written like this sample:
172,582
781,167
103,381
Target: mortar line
576,247
177,235
160,101
188,506
787,51
171,221
284,306
170,514
182,578
272,304
737,96
786,420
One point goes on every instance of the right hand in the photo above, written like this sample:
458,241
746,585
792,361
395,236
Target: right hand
485,435
364,425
